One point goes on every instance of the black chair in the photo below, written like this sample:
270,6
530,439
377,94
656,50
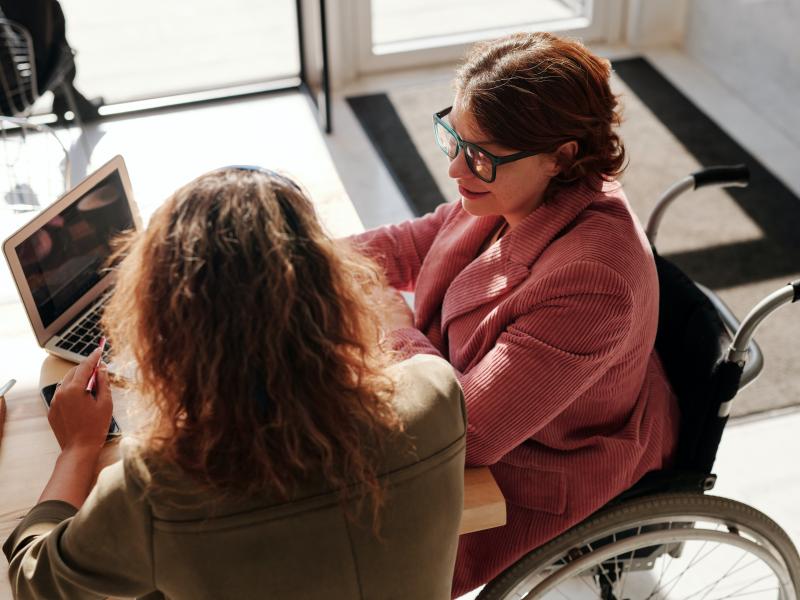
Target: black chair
35,58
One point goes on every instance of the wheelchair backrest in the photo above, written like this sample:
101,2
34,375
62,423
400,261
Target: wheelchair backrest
691,342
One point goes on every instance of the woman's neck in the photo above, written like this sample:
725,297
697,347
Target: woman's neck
499,232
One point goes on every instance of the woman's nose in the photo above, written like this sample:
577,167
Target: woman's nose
458,167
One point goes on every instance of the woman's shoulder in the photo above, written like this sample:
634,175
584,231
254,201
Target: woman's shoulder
609,199
607,230
148,475
134,467
430,402
605,244
167,491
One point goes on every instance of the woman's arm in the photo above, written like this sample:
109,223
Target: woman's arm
102,550
401,249
80,423
546,359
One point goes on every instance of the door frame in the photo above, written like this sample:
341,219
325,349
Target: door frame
606,25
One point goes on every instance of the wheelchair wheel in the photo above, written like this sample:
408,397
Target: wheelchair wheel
664,546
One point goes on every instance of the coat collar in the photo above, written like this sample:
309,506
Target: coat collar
463,280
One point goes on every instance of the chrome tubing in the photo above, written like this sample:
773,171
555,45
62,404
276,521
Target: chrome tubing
722,176
737,352
754,358
677,188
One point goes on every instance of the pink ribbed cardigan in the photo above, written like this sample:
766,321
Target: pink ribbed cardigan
551,331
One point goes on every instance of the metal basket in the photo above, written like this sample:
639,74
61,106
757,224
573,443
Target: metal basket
17,69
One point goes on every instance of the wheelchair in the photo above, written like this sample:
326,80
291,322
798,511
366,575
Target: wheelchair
665,538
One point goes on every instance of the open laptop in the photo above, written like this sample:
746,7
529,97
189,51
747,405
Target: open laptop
58,260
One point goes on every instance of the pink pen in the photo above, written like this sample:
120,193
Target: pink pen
93,378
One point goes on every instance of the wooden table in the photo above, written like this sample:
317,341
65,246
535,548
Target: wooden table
28,451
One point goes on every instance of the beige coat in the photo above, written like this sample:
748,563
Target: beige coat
130,539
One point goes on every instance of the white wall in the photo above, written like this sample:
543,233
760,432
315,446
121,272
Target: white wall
655,22
753,47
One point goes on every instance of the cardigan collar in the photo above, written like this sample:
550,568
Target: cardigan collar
461,279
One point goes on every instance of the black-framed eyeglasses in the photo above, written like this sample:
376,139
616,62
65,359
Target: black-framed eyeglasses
481,162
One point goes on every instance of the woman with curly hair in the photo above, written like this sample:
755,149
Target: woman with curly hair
539,287
282,454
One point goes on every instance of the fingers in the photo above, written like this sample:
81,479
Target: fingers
103,394
84,370
69,376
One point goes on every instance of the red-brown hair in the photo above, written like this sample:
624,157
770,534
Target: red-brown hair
255,339
536,91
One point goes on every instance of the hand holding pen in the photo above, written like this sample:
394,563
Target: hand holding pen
79,418
92,380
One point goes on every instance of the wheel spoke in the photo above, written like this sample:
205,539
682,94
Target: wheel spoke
616,557
716,583
710,586
696,560
664,568
626,571
738,594
675,546
763,591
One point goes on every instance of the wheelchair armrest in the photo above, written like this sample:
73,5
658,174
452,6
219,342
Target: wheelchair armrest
754,359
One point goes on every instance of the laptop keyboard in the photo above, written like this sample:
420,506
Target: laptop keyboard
84,335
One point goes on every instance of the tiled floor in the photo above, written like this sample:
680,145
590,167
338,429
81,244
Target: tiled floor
756,462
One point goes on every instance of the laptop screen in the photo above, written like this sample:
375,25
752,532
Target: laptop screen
65,257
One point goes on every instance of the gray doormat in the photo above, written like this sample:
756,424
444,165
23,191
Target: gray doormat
741,242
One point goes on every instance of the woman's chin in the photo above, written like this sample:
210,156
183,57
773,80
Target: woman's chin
478,208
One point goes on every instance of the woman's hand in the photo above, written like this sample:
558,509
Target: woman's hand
79,419
80,422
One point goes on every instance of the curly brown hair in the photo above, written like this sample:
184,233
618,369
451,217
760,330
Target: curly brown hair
537,91
255,339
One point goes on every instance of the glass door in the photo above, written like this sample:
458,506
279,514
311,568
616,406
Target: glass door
407,33
131,51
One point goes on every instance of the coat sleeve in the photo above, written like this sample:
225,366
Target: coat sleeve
400,249
102,550
549,356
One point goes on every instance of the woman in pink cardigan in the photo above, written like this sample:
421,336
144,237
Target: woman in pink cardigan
539,287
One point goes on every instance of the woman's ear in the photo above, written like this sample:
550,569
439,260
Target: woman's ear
565,154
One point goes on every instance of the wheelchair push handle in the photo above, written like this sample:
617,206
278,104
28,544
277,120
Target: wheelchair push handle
723,175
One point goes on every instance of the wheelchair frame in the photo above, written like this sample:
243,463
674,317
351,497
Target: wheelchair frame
668,509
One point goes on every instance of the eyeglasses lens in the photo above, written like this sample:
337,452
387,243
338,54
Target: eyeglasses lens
447,142
480,164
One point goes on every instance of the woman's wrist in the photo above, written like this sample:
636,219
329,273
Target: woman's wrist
81,453
73,474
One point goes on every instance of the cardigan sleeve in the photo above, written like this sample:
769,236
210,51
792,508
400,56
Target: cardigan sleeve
546,358
102,550
400,249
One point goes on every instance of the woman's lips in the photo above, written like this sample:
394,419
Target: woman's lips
470,195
